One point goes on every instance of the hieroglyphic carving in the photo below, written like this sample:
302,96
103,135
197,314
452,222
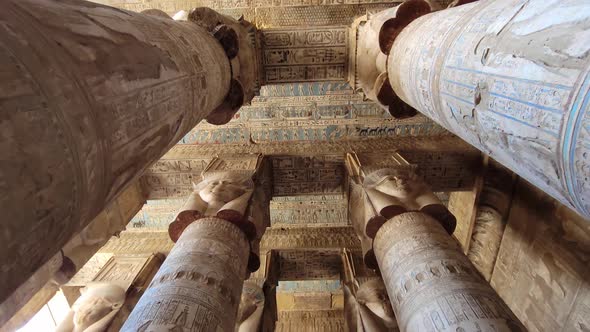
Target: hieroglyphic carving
309,265
199,285
304,54
309,286
431,284
313,209
157,214
445,171
478,72
543,265
440,144
122,102
310,15
137,242
311,320
167,178
311,122
295,175
121,270
309,238
306,89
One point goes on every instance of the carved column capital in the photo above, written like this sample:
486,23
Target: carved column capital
234,189
239,39
388,185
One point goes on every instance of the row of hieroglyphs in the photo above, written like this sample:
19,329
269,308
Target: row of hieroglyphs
309,209
306,148
303,175
309,264
174,175
311,118
267,13
305,54
308,131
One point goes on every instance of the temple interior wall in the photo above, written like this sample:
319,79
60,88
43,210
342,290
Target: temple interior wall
542,270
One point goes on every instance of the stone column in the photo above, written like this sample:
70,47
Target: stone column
90,96
199,285
509,81
432,285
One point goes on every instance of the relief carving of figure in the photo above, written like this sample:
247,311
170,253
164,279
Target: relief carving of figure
94,310
250,309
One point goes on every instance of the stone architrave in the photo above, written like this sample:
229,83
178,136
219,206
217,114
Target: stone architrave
432,284
389,187
370,62
508,81
199,285
92,95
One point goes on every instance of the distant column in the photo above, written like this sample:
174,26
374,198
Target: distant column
432,285
198,288
511,82
90,96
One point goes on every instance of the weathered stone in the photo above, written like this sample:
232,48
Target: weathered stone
431,283
90,96
199,285
543,264
510,82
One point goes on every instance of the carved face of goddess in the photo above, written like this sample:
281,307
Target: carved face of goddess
397,186
91,311
221,190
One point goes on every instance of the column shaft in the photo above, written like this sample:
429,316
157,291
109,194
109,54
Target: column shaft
509,81
199,285
89,97
431,283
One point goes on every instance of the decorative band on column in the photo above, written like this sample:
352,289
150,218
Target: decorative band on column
199,285
432,285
